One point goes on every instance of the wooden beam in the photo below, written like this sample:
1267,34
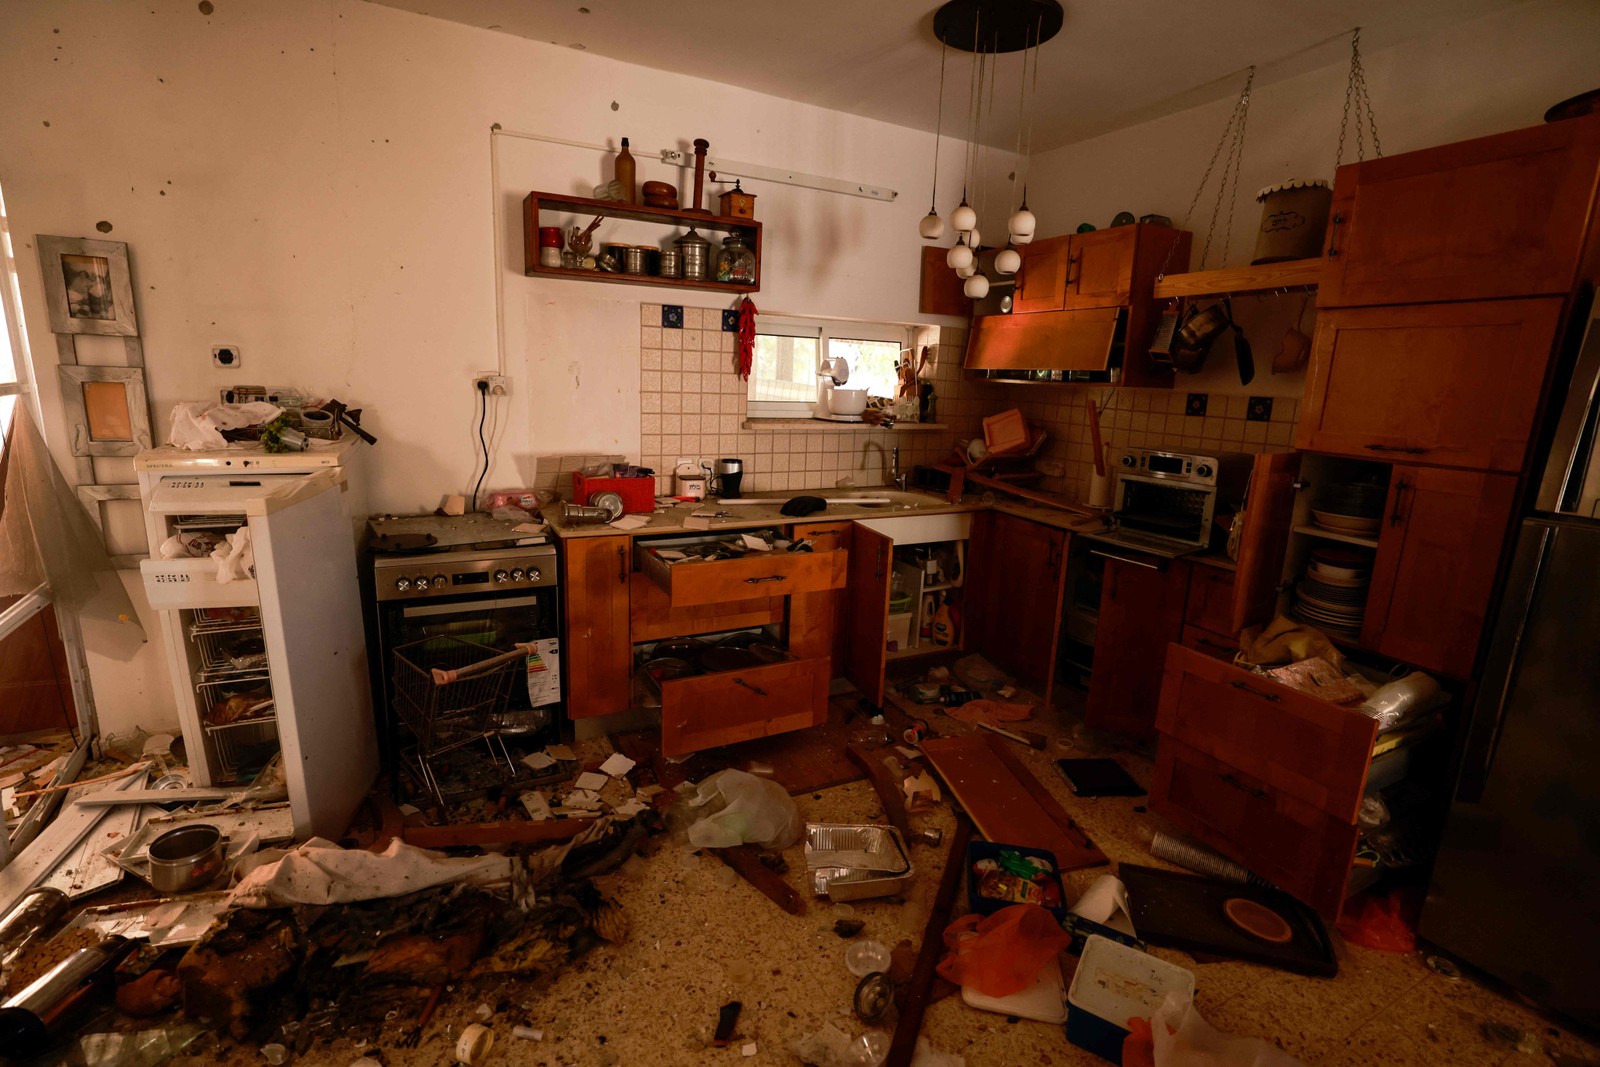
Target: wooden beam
904,1043
1287,275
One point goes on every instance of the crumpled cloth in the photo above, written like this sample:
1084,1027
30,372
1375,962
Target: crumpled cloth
993,712
198,425
1285,641
236,558
320,872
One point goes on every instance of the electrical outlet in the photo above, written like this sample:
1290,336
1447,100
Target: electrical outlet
498,384
225,356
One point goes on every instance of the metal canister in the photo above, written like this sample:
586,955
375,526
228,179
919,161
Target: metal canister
28,918
633,259
1294,219
696,253
671,264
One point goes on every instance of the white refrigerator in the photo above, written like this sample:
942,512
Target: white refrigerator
274,659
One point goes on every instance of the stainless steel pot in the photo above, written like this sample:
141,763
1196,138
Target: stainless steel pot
186,858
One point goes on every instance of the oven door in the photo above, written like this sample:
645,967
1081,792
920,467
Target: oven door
1165,509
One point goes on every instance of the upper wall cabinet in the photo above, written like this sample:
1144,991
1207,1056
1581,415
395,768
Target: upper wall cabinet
1042,278
1095,269
1498,216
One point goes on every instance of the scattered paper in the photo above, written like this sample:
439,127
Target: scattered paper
1106,902
158,745
537,761
748,1049
630,522
529,528
645,792
585,799
630,807
616,765
908,753
409,809
921,786
590,781
561,752
537,806
755,544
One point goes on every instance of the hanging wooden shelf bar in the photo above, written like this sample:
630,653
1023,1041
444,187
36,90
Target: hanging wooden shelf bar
1291,274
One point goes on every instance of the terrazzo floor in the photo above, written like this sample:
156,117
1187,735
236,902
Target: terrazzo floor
699,939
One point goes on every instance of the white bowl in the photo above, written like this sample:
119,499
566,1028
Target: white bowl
847,401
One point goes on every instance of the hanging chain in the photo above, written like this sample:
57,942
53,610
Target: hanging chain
1233,139
1355,91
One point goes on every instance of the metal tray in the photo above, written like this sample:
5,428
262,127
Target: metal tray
857,861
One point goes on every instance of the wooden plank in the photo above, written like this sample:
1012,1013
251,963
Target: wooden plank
110,798
746,861
890,790
904,1043
39,815
1294,272
1092,518
53,843
86,870
1006,801
494,833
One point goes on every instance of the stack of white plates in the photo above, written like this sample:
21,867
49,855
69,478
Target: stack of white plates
1332,593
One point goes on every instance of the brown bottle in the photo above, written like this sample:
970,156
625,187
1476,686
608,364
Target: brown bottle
625,173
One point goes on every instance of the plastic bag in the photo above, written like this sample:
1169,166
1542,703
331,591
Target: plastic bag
1386,922
197,425
1003,953
236,557
1177,1036
741,809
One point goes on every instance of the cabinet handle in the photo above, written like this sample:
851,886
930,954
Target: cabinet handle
756,689
1206,642
1161,566
1253,691
1395,518
622,564
1333,235
1071,260
1259,794
1409,450
768,578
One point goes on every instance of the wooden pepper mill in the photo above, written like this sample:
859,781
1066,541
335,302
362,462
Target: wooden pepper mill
700,146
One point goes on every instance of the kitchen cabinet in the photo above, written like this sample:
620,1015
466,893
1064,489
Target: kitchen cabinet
1095,269
597,645
1100,268
1018,571
824,613
1455,385
1500,216
1042,277
1141,612
1433,573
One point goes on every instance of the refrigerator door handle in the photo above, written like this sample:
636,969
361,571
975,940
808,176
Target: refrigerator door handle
1500,672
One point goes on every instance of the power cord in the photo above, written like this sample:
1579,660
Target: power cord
483,414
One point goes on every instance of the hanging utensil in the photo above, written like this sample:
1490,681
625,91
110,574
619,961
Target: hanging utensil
1296,350
1241,347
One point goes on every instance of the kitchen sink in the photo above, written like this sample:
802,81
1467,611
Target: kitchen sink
898,499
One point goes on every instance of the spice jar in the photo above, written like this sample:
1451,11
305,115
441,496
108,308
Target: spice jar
694,252
549,246
736,262
671,265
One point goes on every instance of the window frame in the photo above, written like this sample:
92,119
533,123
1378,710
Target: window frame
825,331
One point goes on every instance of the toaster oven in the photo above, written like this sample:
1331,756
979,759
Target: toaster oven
1172,497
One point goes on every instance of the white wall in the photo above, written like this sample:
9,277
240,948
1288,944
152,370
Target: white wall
311,180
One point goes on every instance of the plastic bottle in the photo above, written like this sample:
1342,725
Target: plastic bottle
943,625
626,172
930,604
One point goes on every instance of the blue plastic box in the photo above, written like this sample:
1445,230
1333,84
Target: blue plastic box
1113,984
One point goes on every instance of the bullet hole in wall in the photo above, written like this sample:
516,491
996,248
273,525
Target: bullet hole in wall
103,226
615,106
47,122
207,7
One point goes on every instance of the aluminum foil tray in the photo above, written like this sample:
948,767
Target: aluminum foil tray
856,861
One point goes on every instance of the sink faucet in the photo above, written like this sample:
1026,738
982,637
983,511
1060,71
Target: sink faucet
891,465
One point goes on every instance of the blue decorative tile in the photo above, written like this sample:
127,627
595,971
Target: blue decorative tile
672,316
1260,409
1196,404
730,321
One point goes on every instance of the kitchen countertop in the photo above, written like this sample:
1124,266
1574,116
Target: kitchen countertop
750,516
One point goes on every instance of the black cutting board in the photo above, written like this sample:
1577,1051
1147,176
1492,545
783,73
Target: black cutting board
1184,911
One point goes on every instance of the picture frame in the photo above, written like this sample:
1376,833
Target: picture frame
95,498
88,286
108,413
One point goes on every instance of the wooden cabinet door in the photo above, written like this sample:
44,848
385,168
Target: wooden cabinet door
1016,572
1100,268
1141,612
1268,514
1453,385
867,590
599,652
1042,278
940,291
1435,566
1493,217
835,604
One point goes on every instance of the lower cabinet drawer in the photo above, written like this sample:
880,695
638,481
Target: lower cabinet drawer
1299,745
1296,846
760,574
1210,644
708,710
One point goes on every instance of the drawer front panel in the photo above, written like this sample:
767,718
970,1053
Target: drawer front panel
1210,602
1210,644
1297,846
652,616
765,574
708,710
1301,746
192,583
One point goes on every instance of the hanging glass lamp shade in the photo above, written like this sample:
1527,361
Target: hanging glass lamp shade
976,287
963,218
959,256
932,226
1007,260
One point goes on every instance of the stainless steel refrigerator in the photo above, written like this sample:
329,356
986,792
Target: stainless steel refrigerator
1516,886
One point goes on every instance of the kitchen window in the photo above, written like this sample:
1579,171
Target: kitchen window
788,357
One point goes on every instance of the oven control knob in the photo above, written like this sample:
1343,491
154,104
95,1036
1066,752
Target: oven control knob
517,574
533,574
501,577
402,583
1128,461
439,581
421,582
1203,470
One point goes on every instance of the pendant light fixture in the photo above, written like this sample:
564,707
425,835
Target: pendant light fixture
932,226
1022,223
960,254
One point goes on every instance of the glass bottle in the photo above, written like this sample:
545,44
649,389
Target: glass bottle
736,262
624,172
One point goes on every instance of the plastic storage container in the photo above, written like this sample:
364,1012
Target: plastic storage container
1115,983
990,850
638,494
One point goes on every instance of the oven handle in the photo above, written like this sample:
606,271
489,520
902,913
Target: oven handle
1136,561
420,611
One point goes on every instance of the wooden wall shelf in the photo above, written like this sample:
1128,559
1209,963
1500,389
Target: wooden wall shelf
1287,275
535,203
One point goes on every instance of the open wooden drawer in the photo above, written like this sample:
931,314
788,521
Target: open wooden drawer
707,710
759,574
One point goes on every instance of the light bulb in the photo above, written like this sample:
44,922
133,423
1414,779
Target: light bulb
977,287
1007,260
932,226
959,256
1021,226
966,272
963,218
974,241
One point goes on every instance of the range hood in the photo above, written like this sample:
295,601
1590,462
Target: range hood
1084,345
